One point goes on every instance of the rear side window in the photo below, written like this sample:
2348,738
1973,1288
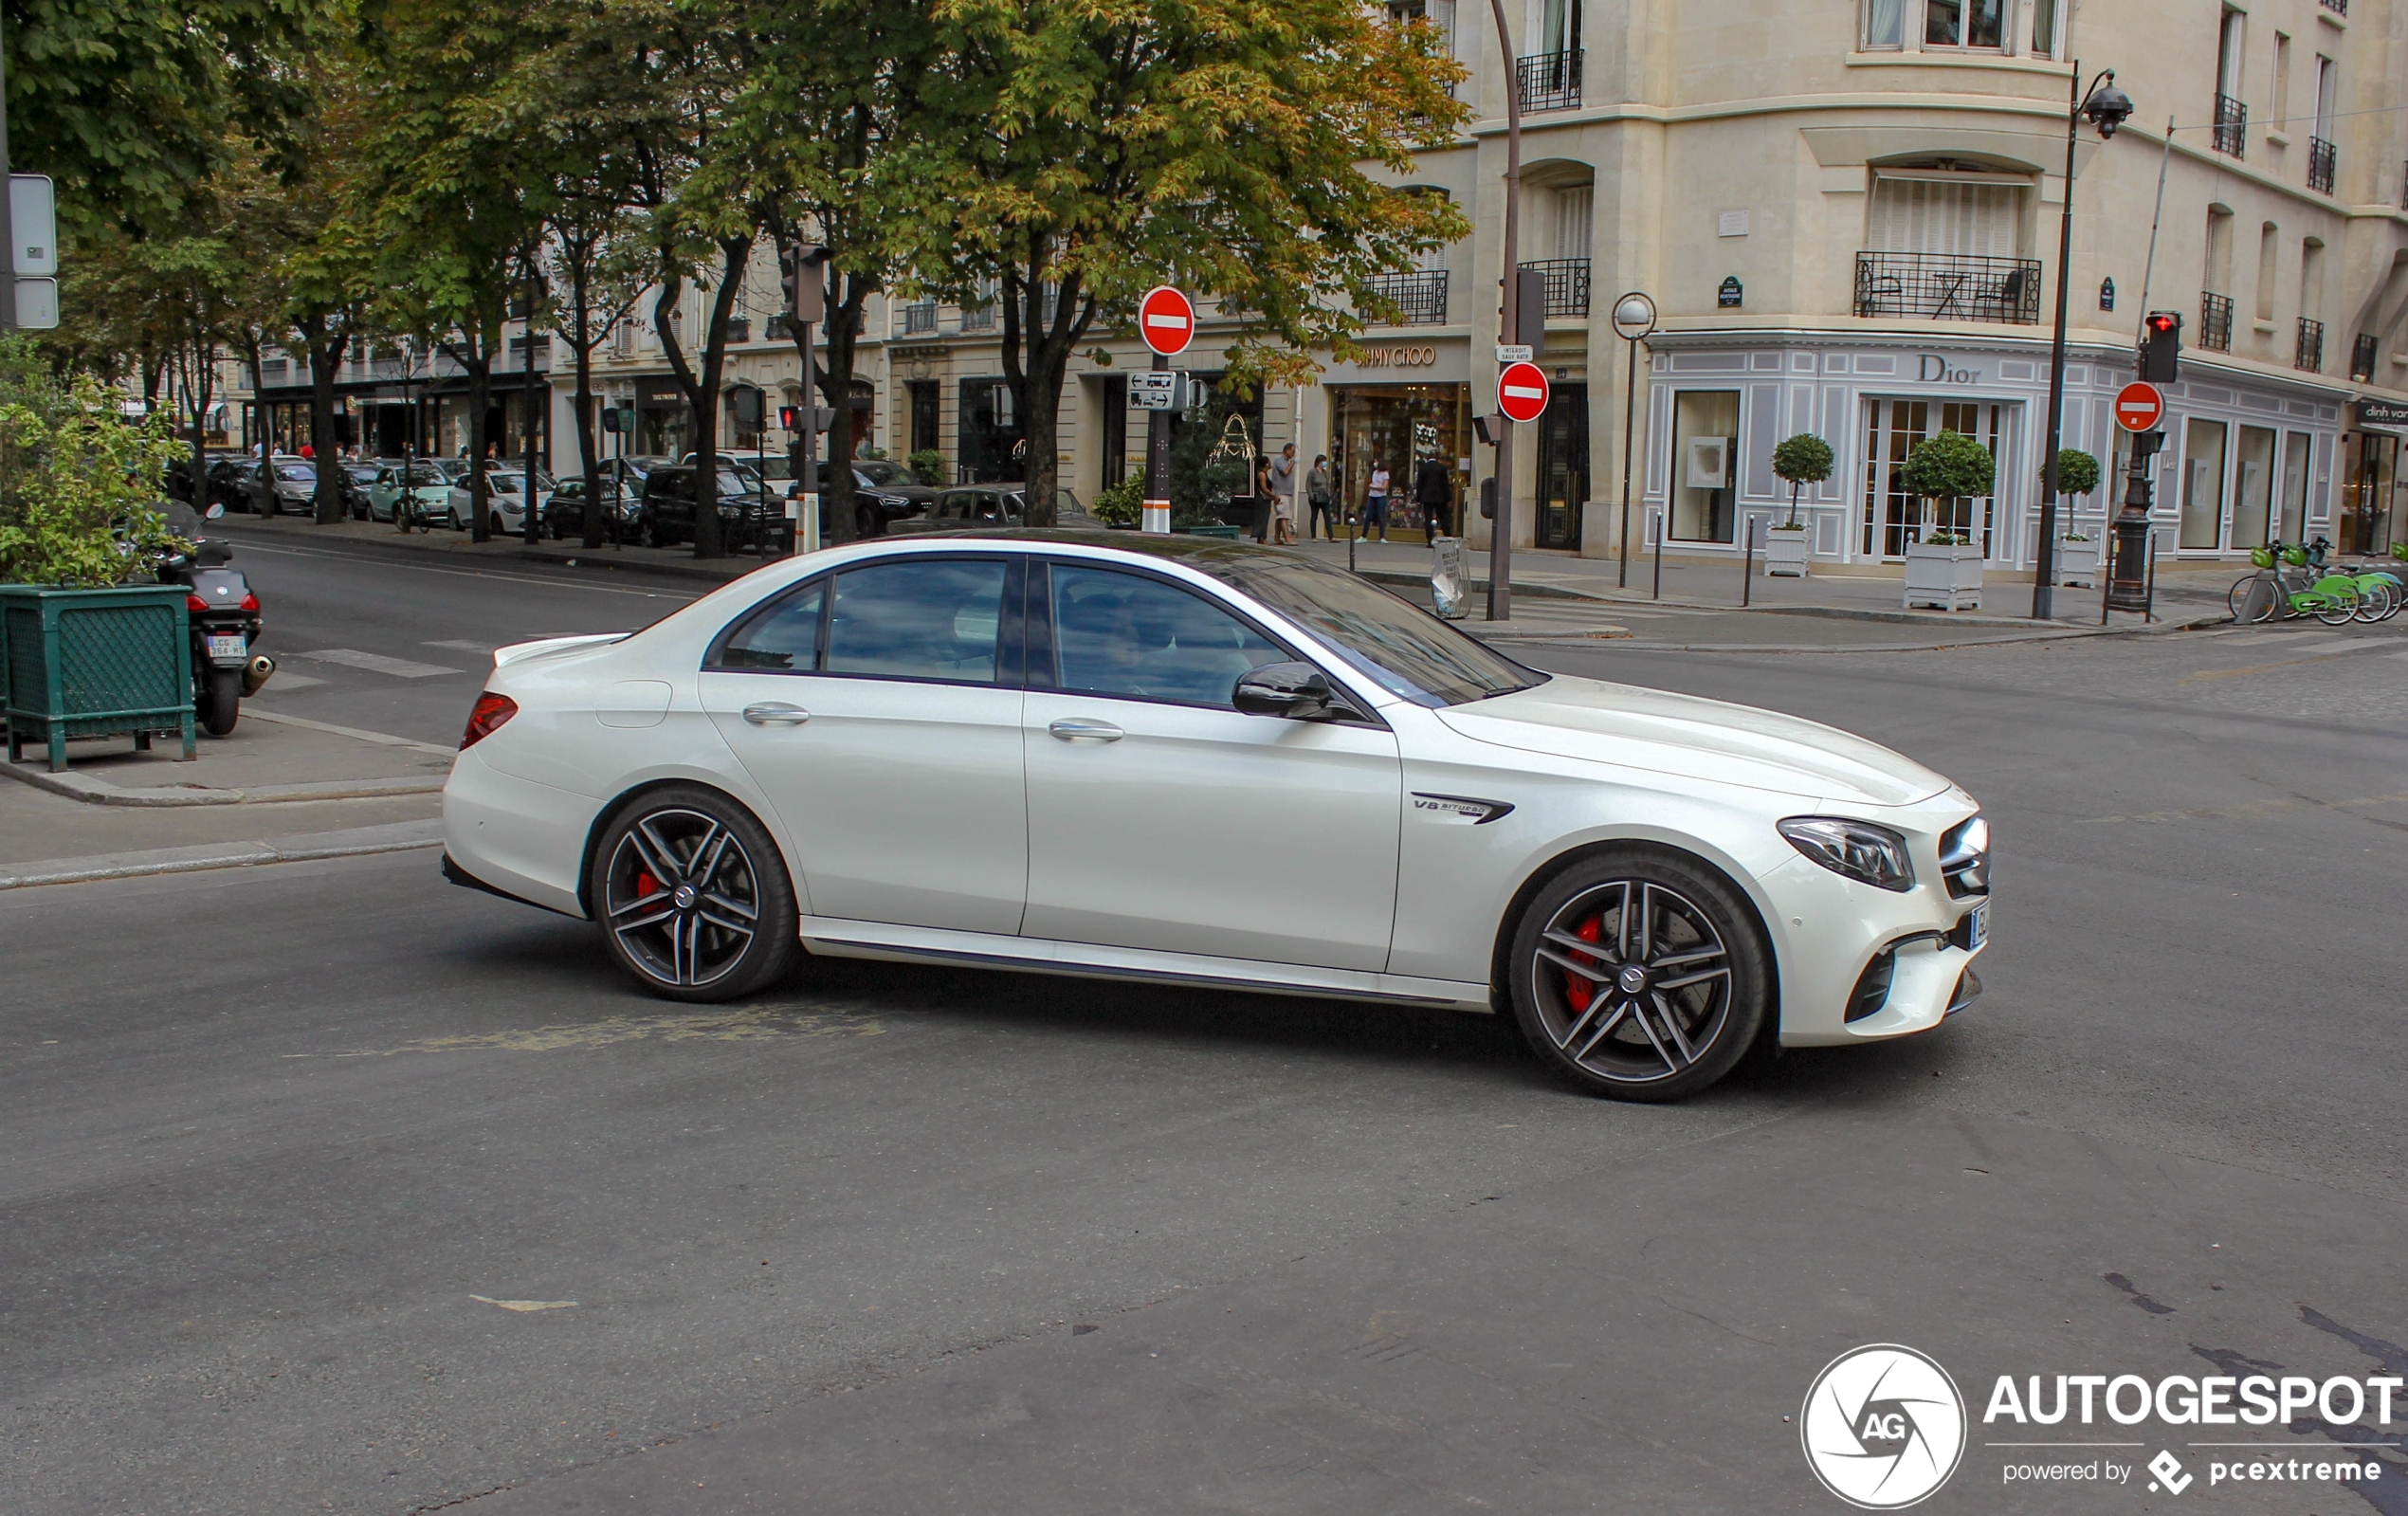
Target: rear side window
919,618
781,637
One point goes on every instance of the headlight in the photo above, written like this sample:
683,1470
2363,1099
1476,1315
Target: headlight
1867,853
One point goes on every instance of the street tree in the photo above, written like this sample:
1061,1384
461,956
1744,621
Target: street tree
1251,152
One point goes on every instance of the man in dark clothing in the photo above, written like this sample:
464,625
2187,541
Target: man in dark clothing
1434,490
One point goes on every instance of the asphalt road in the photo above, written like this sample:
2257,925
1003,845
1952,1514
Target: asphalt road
362,1193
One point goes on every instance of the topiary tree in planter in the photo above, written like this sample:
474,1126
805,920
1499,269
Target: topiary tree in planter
1949,467
2077,472
1803,460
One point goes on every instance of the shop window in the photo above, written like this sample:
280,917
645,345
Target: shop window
1704,465
2299,451
2373,499
2202,485
2254,486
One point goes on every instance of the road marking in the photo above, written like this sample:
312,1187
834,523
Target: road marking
376,662
536,1304
463,645
380,739
2249,809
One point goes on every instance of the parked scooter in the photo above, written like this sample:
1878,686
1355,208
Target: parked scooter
226,623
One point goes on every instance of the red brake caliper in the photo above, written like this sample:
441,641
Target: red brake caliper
645,884
1577,990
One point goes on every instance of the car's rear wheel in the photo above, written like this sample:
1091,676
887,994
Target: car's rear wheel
1639,974
692,897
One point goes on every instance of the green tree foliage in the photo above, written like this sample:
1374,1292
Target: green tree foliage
1803,460
78,479
2077,472
1950,466
1100,147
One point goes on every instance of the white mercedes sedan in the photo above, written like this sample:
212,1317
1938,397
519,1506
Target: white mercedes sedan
1203,762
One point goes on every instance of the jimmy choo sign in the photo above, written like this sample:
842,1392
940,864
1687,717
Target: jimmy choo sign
1396,358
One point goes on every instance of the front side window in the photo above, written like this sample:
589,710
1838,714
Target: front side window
1129,635
918,619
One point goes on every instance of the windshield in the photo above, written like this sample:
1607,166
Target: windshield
297,473
1405,650
883,474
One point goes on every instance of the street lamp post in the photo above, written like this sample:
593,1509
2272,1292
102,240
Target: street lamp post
2107,106
1501,531
1633,320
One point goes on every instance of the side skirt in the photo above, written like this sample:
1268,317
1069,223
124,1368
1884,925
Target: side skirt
922,944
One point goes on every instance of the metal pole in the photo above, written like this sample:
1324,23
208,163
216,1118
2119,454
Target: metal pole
526,390
2150,269
8,232
1747,562
1501,535
2045,562
1630,412
809,475
1661,522
1156,515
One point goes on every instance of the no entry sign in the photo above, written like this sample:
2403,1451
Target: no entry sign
1521,392
2138,406
1166,321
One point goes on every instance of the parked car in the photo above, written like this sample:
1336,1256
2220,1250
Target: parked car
284,484
564,513
1256,771
178,483
628,473
359,475
223,480
970,507
429,479
506,492
666,514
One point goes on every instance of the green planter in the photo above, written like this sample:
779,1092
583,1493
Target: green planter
94,662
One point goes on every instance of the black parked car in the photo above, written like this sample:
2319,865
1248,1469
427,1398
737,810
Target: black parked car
564,512
667,514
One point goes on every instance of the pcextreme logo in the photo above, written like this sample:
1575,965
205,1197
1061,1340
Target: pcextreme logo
1883,1427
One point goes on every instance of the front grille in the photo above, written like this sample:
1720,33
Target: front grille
1964,858
1872,986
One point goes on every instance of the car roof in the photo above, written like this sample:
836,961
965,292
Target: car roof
1182,547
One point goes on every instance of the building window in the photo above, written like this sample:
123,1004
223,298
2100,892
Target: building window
1885,25
987,435
2203,485
2044,29
1965,22
1704,459
2269,250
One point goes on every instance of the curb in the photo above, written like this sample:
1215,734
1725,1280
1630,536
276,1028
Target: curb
399,836
1560,639
92,791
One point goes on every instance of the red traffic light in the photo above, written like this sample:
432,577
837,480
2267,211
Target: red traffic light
786,418
2163,323
2162,347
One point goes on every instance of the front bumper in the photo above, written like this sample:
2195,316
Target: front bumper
1861,964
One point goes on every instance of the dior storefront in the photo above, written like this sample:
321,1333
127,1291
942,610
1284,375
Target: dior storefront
2246,455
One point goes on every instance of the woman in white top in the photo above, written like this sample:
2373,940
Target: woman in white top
1375,502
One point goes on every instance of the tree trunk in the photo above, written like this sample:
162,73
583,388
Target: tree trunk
1036,365
580,275
836,385
204,380
480,367
701,391
325,351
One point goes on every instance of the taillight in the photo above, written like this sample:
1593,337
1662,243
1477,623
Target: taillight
194,603
250,602
492,710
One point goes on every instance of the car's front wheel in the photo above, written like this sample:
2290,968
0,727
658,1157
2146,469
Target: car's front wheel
1641,973
693,898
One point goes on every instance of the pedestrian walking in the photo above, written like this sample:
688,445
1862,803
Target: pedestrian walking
1262,500
1283,477
1375,502
1321,500
1434,490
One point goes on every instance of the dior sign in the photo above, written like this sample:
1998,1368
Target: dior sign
1931,367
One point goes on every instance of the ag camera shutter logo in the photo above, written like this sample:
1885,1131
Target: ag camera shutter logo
1883,1427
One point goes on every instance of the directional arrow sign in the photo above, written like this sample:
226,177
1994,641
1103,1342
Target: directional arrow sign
1521,392
1166,321
2138,406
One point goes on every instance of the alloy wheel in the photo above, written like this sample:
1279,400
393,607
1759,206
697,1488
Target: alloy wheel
682,898
1632,981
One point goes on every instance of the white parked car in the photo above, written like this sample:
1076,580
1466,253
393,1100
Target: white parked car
1205,762
507,492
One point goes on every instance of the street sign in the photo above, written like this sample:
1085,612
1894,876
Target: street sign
2138,406
1514,352
1159,390
37,305
1166,321
1521,392
33,223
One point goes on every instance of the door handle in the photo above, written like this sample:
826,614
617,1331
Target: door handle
775,713
1071,729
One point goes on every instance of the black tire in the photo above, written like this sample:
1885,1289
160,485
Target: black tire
867,524
697,944
1695,1005
221,700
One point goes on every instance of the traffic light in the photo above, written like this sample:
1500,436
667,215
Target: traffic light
786,418
2162,347
801,286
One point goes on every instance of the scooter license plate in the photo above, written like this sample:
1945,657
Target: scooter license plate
233,649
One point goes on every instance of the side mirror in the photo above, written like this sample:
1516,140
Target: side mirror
1295,691
216,511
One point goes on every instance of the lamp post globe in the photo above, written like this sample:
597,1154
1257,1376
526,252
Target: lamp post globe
1633,317
2108,107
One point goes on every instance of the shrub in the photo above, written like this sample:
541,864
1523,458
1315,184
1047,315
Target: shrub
2077,472
79,481
1950,467
1121,504
929,467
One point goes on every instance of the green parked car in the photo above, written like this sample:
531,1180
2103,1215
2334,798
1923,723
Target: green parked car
430,480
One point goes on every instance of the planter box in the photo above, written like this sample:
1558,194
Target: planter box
94,662
1948,578
2078,562
1785,553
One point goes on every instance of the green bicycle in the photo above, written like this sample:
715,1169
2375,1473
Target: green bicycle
2335,600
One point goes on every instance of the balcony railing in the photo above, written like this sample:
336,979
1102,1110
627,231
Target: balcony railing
2362,358
1551,81
979,318
2231,125
1421,296
1950,286
2216,322
2320,165
2339,8
2309,355
920,317
1567,285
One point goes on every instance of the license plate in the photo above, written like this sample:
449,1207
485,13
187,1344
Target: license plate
1977,926
232,647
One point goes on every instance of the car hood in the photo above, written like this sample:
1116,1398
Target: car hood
1631,727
